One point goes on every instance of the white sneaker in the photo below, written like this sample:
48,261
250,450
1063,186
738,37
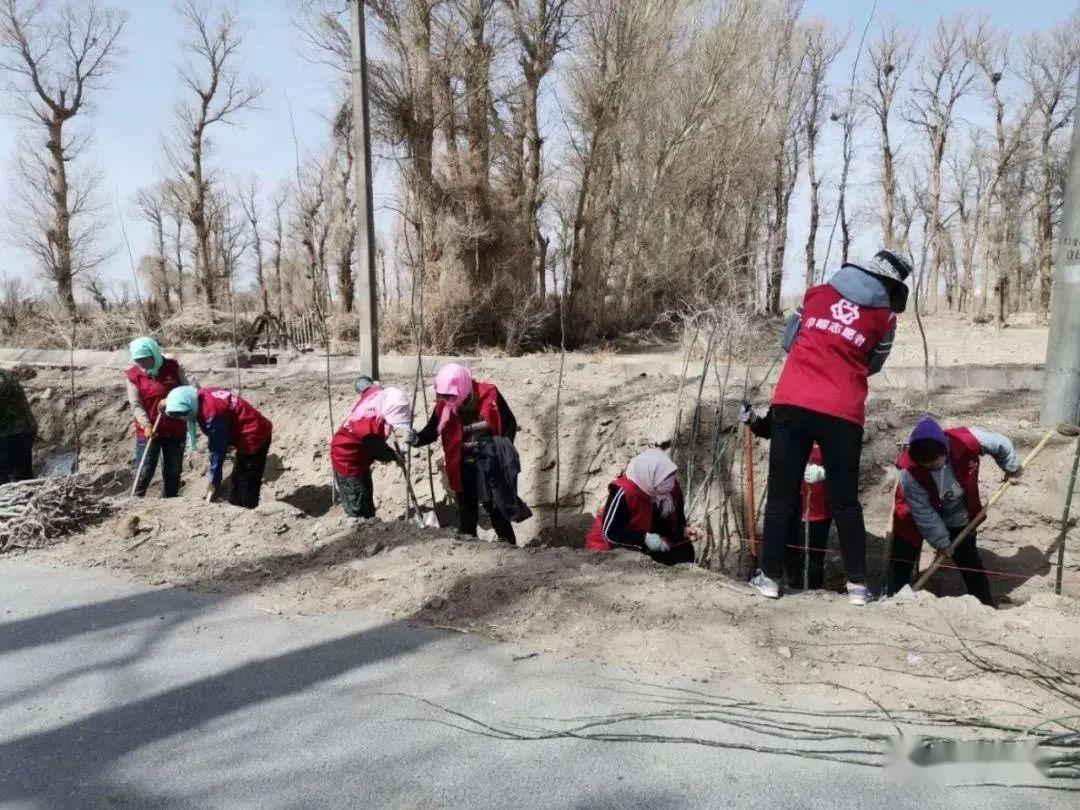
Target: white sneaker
857,594
768,588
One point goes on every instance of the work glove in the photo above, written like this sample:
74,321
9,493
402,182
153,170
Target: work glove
940,544
408,436
1013,475
655,543
814,474
746,413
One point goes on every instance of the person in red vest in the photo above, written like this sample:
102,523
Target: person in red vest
644,512
361,441
149,380
840,335
228,420
939,495
466,410
815,512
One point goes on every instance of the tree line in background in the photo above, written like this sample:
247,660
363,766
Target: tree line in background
603,161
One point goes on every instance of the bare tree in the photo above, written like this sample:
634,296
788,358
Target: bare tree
279,201
248,196
822,47
1052,61
57,56
153,205
218,92
946,74
890,56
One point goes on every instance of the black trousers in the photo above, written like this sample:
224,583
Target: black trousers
795,558
357,494
17,457
171,452
966,557
794,432
247,475
469,508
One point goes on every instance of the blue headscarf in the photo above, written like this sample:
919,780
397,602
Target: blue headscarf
183,403
147,347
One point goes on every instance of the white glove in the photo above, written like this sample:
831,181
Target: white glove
408,435
746,413
655,543
814,474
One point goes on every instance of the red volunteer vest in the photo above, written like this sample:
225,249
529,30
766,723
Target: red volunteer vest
641,516
249,430
815,496
826,370
152,391
486,396
348,456
964,453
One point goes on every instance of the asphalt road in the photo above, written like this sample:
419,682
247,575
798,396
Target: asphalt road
118,695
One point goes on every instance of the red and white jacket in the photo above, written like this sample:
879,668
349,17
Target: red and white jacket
152,392
359,443
829,364
626,498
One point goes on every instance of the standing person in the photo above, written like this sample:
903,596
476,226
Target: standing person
939,495
465,411
840,335
644,512
361,441
815,513
17,430
228,420
149,380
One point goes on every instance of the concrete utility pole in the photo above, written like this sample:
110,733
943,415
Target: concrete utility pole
366,284
1061,392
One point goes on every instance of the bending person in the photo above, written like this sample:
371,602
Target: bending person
840,335
149,380
939,495
465,411
361,441
228,420
644,512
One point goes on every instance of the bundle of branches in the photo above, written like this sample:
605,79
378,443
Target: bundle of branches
199,326
34,513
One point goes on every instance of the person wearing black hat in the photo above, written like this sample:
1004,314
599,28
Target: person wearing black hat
841,334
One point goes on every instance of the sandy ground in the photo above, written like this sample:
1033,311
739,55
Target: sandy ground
298,553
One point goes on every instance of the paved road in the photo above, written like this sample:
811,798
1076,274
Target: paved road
117,695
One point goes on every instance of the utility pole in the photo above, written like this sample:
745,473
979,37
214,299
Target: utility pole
366,284
1061,391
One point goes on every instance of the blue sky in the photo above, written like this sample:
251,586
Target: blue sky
131,117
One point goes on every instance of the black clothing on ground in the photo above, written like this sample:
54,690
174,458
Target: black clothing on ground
247,475
794,431
965,556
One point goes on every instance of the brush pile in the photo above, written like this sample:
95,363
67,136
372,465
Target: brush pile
36,512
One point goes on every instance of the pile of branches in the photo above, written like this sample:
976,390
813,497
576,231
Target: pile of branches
36,512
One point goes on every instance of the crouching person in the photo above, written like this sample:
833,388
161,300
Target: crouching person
361,441
939,495
644,512
465,412
812,537
228,420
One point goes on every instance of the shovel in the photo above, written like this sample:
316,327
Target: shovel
146,452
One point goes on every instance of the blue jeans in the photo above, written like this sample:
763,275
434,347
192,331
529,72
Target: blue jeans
171,451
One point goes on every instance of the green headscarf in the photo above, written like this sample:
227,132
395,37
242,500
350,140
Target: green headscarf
183,403
147,347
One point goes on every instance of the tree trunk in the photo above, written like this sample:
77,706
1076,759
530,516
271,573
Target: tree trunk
60,234
1044,227
815,209
532,183
204,263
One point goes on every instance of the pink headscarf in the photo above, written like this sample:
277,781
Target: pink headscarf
455,381
653,472
391,404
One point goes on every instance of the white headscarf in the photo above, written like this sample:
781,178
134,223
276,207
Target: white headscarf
652,471
391,404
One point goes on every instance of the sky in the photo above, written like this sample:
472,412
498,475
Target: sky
132,114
